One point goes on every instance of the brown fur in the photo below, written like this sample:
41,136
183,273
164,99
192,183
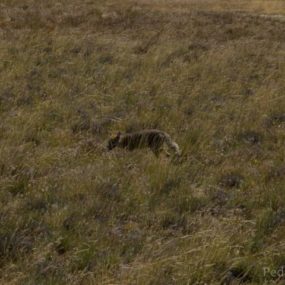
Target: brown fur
153,139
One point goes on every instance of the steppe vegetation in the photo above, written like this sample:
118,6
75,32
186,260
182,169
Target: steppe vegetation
210,73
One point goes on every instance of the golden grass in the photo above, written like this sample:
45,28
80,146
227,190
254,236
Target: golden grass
251,6
73,73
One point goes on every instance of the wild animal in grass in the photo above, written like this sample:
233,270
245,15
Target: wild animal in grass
153,139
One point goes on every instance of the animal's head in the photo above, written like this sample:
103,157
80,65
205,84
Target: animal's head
113,142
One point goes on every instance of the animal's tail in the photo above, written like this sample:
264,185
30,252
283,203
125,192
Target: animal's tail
172,144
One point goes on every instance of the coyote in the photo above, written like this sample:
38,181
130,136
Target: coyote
153,139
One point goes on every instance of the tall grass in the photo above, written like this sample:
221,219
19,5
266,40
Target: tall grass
73,73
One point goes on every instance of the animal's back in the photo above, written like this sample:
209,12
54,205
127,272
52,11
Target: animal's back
151,138
144,138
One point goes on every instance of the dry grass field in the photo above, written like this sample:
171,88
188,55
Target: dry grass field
210,73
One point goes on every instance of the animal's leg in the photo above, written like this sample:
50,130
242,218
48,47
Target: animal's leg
167,153
156,151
